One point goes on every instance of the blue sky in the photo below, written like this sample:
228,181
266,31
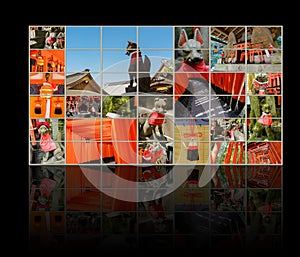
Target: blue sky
95,47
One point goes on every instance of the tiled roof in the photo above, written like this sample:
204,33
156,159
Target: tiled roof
83,81
73,78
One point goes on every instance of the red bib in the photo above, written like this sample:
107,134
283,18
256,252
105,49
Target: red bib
265,119
156,118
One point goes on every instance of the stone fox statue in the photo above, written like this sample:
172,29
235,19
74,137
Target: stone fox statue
192,52
155,120
139,69
53,149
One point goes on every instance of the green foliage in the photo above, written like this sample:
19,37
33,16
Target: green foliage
116,104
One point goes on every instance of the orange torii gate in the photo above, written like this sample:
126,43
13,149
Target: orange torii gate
234,156
234,153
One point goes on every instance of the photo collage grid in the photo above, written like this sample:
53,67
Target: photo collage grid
137,101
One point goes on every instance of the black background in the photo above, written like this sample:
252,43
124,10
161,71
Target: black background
15,95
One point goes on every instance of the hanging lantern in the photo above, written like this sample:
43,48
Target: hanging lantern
38,108
46,90
58,109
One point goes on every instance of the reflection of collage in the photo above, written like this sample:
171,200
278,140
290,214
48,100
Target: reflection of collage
238,205
132,102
